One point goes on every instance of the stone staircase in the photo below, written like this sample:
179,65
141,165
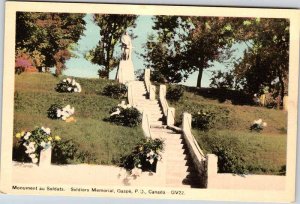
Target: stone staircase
176,161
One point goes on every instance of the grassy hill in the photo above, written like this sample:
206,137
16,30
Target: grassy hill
263,153
102,142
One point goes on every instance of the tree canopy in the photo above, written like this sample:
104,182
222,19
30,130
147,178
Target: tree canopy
46,39
185,44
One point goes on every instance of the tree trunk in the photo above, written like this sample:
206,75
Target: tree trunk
282,90
199,77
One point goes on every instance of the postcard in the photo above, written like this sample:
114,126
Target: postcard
148,101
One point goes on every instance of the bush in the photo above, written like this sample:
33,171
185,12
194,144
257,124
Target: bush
175,93
258,125
203,120
63,152
52,111
32,142
56,111
115,90
144,156
130,117
229,151
68,86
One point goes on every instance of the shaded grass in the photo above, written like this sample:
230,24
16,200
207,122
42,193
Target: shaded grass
104,141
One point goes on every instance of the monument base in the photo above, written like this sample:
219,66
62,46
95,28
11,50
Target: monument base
125,72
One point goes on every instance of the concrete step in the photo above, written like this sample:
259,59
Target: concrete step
174,152
161,130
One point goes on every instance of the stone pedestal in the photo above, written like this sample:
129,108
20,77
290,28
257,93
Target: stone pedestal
125,72
45,157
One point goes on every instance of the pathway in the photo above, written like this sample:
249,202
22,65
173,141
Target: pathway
176,162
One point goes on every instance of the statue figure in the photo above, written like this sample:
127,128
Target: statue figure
126,46
125,71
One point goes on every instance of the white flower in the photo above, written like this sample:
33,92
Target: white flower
46,130
151,161
64,117
43,144
151,153
35,160
117,112
31,144
69,80
264,124
27,135
32,156
64,80
76,90
73,82
69,88
259,121
58,113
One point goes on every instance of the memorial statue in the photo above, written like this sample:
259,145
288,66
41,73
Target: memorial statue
125,71
126,46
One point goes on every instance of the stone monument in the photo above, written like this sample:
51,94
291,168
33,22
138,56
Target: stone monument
125,71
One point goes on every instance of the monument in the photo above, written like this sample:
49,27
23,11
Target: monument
125,71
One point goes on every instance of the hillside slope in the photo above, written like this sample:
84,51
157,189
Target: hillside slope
262,153
102,142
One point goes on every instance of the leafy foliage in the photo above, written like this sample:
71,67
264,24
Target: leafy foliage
266,61
130,117
145,155
48,37
115,90
203,120
68,85
111,29
52,111
175,93
230,156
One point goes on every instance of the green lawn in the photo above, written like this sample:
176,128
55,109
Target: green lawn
104,142
263,153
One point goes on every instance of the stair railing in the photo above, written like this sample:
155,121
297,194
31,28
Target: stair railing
169,112
146,124
130,94
196,153
151,89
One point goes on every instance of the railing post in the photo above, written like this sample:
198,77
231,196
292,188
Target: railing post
45,157
187,123
152,92
162,91
171,116
147,79
145,124
212,168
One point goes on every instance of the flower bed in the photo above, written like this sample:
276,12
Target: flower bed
57,112
35,141
144,156
68,85
258,125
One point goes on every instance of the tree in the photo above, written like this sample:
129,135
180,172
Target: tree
48,37
191,43
266,61
111,29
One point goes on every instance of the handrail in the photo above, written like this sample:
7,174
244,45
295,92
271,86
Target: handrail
194,140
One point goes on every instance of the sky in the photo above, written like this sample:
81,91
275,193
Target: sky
78,66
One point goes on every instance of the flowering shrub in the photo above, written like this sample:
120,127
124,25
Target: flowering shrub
35,141
175,93
68,86
203,120
144,156
57,112
258,125
115,90
125,115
